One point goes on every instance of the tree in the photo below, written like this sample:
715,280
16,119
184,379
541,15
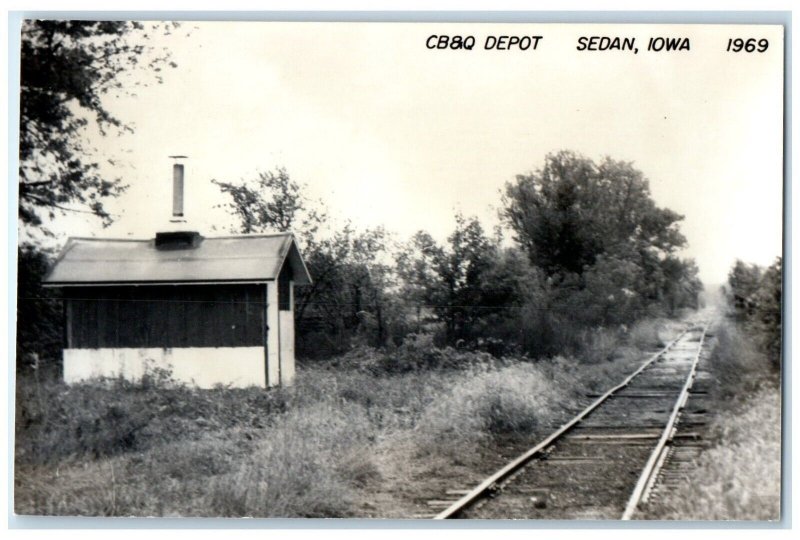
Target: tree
416,263
349,295
600,238
682,285
460,269
40,315
67,67
571,211
766,319
272,201
610,293
744,280
464,282
755,295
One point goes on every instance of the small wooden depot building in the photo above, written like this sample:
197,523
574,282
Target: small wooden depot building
210,310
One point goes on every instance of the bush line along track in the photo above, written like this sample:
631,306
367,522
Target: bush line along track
657,382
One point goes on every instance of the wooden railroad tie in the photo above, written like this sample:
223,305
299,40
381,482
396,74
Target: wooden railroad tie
458,492
440,503
613,436
602,437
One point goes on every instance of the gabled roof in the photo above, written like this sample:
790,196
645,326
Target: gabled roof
247,258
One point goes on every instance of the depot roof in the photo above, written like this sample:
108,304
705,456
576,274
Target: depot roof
252,258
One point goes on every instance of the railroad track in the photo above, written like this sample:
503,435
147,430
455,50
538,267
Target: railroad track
608,459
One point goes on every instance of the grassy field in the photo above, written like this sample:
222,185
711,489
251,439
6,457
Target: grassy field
369,434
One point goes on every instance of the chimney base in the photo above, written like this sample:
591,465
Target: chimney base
178,240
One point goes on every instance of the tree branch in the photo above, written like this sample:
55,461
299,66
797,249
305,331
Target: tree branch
45,202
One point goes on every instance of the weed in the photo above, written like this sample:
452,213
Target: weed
740,477
368,428
296,469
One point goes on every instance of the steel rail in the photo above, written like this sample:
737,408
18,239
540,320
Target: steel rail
654,464
481,489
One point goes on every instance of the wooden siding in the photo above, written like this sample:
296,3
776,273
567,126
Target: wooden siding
166,316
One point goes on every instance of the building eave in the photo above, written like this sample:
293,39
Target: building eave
53,285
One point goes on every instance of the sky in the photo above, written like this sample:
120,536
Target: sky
388,132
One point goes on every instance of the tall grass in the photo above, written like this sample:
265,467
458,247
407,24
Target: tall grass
740,478
514,399
360,435
55,422
308,465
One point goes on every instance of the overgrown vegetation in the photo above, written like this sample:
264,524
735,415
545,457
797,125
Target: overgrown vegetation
591,254
366,434
416,358
591,249
40,316
754,296
739,477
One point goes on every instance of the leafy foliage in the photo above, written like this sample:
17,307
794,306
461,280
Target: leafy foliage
593,250
594,229
468,282
348,298
67,69
755,296
767,319
40,317
449,279
572,211
271,202
744,280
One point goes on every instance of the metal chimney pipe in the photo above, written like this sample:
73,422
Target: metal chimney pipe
177,190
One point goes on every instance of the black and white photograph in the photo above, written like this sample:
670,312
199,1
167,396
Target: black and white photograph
398,270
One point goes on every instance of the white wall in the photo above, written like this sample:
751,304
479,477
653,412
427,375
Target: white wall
287,340
201,366
273,342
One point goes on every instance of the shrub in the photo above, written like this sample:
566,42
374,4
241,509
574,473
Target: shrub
737,364
55,421
755,298
766,320
597,344
417,353
645,335
513,399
